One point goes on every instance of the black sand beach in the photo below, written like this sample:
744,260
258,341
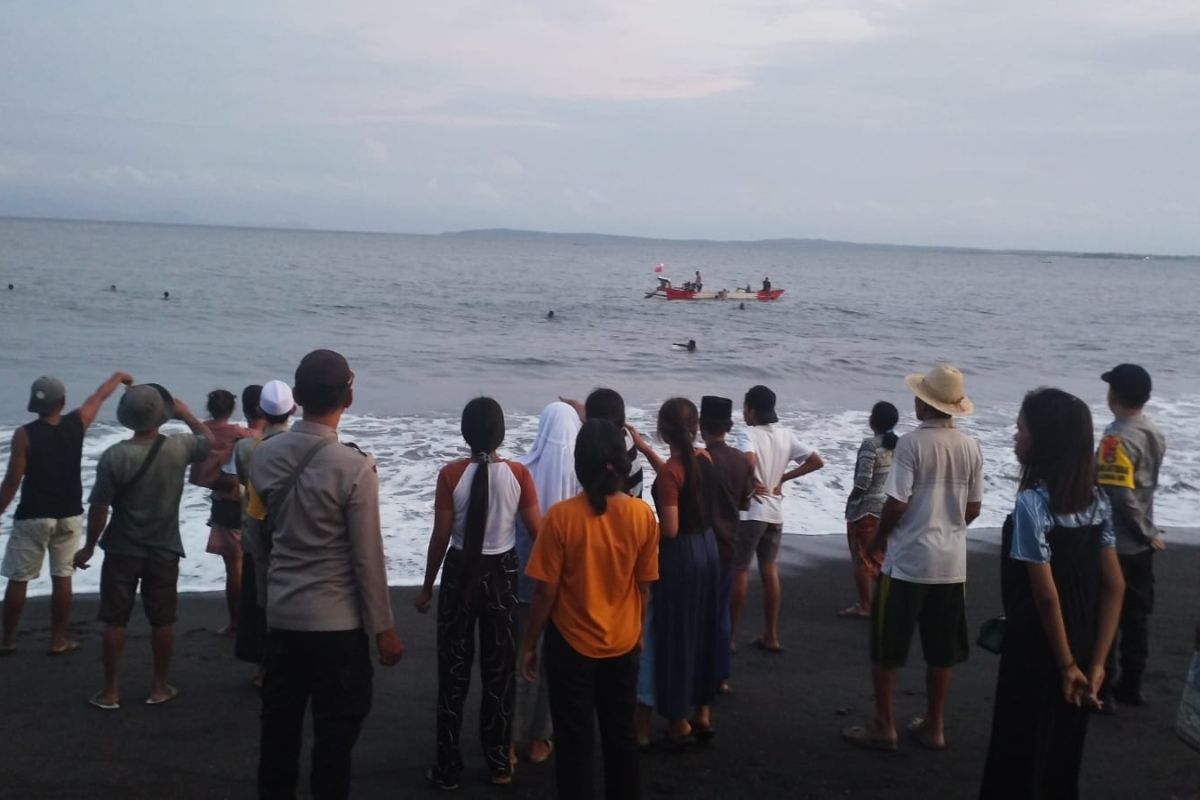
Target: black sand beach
778,734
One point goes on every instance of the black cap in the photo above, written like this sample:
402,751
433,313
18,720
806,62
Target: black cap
716,409
761,401
1130,382
323,369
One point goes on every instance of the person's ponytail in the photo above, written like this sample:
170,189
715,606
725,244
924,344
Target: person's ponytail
601,462
884,417
678,421
483,430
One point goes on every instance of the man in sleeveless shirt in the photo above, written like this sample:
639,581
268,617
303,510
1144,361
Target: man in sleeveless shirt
44,464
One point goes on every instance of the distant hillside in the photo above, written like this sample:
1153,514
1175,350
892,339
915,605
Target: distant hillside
492,234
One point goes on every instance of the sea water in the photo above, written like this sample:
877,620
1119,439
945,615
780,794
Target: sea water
429,322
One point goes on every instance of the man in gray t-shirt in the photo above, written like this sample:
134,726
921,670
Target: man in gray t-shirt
141,479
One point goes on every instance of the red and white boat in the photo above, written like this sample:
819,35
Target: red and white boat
673,293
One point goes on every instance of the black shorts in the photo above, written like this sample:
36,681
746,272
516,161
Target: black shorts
938,609
119,579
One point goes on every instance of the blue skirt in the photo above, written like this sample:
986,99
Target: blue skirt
686,618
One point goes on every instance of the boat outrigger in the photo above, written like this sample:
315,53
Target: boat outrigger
669,292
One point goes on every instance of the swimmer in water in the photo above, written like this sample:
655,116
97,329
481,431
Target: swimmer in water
741,306
112,287
550,315
166,295
690,346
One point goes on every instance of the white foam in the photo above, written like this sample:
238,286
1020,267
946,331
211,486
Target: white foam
411,450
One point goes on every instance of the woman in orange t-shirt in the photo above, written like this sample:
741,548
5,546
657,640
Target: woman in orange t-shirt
594,559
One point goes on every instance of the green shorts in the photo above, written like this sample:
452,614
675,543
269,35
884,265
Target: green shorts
938,609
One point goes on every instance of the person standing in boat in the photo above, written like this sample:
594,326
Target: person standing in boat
766,284
699,284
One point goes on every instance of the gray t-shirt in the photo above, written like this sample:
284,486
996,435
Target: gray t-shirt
145,519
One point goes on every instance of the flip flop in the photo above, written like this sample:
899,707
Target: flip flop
95,700
70,647
761,645
172,693
916,729
859,736
703,733
853,612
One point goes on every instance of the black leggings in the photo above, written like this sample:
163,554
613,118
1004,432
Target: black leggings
491,602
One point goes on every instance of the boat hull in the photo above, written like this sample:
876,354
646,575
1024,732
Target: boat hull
671,293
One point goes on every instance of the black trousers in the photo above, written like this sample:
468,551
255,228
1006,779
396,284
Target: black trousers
1133,635
489,602
333,669
251,642
582,691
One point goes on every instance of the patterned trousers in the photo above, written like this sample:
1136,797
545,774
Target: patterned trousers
490,603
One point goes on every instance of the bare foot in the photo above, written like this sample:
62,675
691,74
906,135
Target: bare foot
108,701
540,750
59,648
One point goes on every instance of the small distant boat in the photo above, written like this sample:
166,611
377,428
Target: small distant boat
673,293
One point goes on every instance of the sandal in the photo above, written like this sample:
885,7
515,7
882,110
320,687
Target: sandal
703,734
861,736
916,729
854,612
440,779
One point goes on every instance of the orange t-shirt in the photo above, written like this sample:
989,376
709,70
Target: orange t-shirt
597,562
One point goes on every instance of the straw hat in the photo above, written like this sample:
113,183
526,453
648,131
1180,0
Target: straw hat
943,388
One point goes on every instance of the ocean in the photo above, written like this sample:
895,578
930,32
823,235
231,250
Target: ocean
427,322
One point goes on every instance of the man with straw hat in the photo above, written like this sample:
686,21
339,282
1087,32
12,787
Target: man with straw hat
934,492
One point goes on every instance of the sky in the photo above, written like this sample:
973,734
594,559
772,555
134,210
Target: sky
1024,124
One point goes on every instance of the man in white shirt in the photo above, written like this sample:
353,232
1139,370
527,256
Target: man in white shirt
934,492
770,449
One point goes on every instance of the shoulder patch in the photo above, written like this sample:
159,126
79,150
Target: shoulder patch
1113,465
356,449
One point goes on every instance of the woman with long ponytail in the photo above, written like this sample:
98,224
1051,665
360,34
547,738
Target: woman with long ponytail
476,507
685,599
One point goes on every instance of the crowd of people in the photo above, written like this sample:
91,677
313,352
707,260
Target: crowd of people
591,609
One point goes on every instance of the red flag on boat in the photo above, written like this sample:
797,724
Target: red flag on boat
659,268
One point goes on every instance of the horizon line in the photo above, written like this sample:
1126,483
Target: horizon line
531,233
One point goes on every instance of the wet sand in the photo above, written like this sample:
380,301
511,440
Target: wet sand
778,735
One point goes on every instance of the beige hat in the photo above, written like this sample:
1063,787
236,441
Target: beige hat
943,388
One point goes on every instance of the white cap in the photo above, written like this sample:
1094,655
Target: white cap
276,399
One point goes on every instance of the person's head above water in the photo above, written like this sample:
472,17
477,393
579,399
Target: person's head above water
550,314
166,295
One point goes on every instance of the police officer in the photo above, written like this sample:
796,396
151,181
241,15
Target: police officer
1129,458
327,593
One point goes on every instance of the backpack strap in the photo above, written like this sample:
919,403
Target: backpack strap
274,501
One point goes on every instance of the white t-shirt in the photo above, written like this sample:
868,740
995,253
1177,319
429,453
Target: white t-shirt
774,448
510,489
937,469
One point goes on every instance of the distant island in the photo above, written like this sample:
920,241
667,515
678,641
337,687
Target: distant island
492,234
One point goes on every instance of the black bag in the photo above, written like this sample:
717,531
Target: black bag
991,635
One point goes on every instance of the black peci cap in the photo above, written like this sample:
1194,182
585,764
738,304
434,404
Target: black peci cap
1130,382
716,409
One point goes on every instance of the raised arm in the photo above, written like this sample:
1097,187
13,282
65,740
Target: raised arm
17,458
184,414
656,461
91,406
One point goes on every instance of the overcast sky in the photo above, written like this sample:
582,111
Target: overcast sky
1069,124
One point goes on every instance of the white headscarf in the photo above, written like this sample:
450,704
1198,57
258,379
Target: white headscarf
551,461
